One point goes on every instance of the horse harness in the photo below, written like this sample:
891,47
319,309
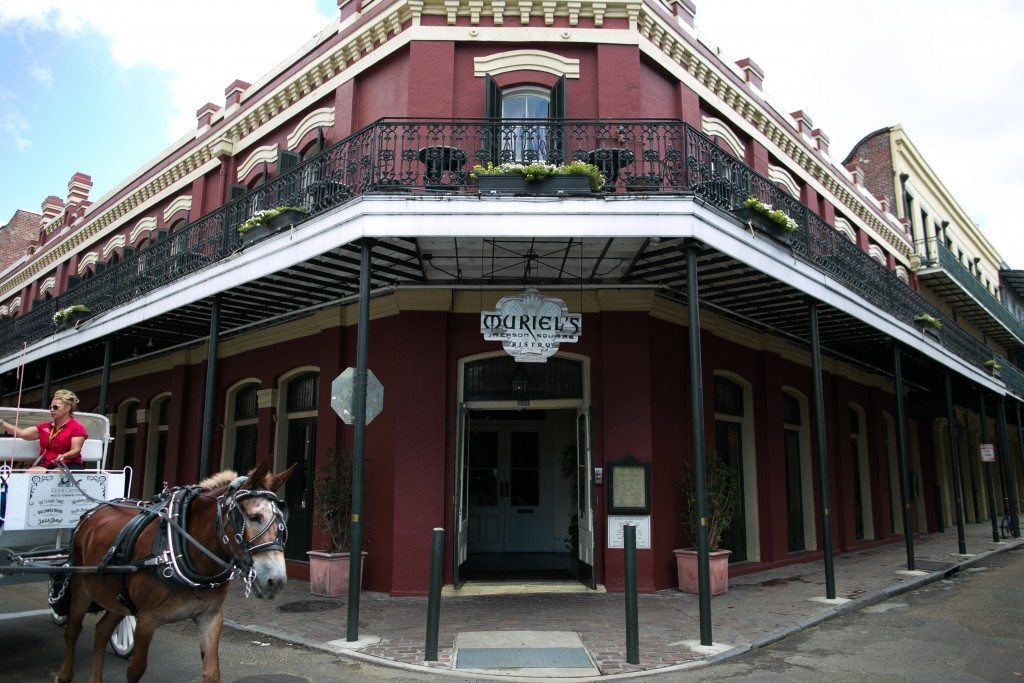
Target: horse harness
169,556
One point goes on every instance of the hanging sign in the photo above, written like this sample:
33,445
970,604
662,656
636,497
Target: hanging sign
988,452
530,326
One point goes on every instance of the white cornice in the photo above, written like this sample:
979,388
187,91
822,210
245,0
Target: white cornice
781,176
534,60
48,283
267,154
86,261
712,126
115,242
182,203
147,224
315,119
843,226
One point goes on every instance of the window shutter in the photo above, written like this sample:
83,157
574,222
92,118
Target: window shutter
100,267
556,142
237,191
321,143
558,99
286,161
160,234
73,281
492,98
127,253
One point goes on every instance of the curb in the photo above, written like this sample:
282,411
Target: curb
802,624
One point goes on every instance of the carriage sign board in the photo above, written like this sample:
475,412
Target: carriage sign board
54,501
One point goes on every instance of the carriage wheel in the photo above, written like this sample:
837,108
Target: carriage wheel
122,640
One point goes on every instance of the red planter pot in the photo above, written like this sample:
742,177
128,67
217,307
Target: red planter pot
329,572
718,565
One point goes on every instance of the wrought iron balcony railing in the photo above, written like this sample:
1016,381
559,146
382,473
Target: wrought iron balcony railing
945,259
414,156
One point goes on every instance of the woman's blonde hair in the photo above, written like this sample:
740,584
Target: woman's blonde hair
68,397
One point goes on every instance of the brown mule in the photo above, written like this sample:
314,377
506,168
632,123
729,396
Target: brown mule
247,516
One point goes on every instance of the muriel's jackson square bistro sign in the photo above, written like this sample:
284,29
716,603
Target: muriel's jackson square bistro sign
530,326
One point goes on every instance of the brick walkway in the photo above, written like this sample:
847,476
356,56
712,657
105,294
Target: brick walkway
758,608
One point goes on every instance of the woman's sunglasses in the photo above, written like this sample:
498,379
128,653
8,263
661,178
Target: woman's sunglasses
56,407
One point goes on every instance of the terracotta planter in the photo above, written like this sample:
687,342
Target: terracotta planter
718,568
329,572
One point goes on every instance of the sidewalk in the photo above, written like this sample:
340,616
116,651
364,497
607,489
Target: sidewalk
758,609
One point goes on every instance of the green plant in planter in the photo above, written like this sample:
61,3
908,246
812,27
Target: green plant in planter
539,171
722,488
261,217
333,488
928,320
65,314
993,365
777,215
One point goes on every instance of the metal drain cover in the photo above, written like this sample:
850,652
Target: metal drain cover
310,606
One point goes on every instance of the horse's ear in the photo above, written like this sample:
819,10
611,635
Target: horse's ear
259,473
276,481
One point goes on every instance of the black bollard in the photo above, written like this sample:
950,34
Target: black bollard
632,628
434,595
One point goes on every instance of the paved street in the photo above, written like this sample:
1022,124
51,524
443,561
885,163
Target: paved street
966,628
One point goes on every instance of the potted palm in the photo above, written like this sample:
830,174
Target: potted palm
329,568
722,492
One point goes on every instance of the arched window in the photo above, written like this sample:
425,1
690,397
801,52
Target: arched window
734,443
127,428
863,519
242,426
156,451
526,142
796,446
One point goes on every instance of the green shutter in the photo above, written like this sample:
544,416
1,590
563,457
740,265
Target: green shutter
237,191
286,161
492,98
558,108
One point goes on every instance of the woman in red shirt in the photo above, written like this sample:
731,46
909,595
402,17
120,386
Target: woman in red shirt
61,439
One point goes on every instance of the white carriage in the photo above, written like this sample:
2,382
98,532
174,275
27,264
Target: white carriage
39,510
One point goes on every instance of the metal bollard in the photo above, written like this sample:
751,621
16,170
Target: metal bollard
632,627
434,595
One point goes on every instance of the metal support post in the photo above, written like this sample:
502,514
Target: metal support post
697,404
210,390
901,444
819,416
988,470
954,459
108,352
47,379
434,595
632,618
1004,457
359,442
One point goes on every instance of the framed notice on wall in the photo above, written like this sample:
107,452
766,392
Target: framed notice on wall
629,487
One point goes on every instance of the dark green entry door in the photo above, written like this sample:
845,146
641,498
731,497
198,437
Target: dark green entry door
299,488
729,442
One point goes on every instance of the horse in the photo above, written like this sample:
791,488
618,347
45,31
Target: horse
206,534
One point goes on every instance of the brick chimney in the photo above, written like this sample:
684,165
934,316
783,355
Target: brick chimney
78,189
752,73
803,122
233,93
51,206
205,113
857,173
821,140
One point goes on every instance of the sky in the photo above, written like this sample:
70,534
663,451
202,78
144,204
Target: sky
102,86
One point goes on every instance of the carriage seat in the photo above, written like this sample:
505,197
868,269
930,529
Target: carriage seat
92,451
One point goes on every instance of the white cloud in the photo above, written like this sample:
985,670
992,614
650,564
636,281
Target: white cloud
951,77
41,74
12,122
199,46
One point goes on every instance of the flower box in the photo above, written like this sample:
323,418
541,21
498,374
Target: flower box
274,224
764,224
511,183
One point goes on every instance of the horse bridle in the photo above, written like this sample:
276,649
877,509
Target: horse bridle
230,513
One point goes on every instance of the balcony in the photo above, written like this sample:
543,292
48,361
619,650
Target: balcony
412,158
952,281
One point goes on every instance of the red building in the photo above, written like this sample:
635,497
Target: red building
213,350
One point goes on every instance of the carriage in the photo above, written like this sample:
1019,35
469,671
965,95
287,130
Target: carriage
39,510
